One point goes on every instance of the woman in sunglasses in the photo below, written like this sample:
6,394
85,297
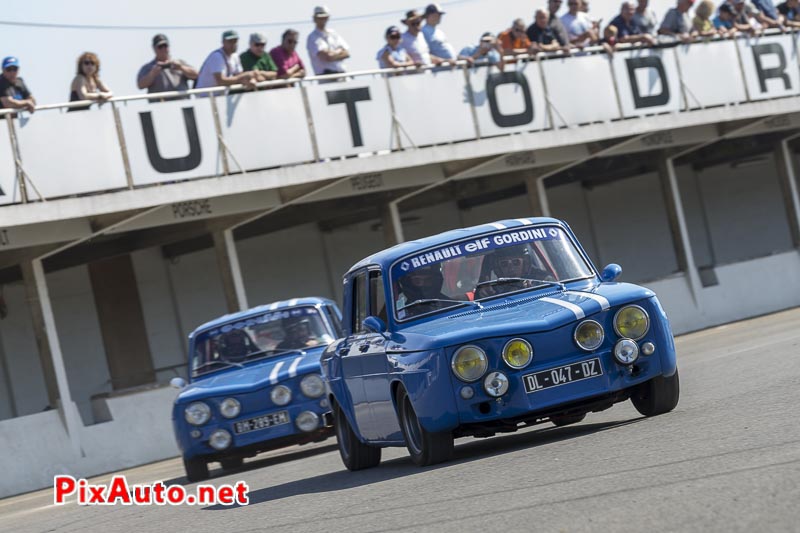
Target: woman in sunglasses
87,84
393,55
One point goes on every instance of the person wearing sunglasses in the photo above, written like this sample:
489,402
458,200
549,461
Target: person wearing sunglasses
163,73
515,264
14,94
257,60
414,41
286,57
87,85
393,55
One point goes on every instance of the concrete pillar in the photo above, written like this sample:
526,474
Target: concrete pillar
230,271
68,410
537,196
39,332
678,226
784,159
391,224
12,402
119,309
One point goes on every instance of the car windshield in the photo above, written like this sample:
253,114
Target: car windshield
259,336
473,270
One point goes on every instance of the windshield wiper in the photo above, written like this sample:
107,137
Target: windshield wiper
437,300
219,362
540,282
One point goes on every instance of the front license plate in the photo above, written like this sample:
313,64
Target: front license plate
562,375
261,422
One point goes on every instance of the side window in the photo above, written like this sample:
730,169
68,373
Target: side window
377,299
337,324
359,302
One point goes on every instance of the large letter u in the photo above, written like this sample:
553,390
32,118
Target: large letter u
175,164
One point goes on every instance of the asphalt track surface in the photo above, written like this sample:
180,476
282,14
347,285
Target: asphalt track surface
727,459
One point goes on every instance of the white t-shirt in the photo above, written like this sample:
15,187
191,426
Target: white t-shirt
325,41
217,61
417,48
577,25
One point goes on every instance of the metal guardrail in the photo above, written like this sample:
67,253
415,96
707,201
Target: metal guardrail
24,181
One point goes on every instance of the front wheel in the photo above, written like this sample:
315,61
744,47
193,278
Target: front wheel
425,448
560,421
355,454
196,469
657,396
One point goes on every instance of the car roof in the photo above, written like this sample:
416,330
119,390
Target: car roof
274,306
386,257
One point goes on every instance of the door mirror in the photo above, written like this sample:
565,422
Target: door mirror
177,383
374,324
611,272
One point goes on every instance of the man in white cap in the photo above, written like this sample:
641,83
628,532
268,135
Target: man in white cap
326,48
437,40
222,66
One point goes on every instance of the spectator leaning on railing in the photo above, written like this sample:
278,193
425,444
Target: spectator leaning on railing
326,48
223,67
163,73
286,57
514,40
414,42
580,30
257,60
745,17
554,23
645,18
702,19
541,34
434,36
14,94
87,85
677,23
485,51
769,17
723,22
790,10
393,55
627,30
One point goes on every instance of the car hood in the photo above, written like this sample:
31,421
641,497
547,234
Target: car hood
529,312
251,378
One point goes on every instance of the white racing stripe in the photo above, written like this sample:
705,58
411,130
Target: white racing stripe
292,302
604,303
567,305
524,221
273,306
497,225
293,367
273,376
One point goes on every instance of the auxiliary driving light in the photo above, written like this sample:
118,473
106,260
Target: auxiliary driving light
197,413
469,363
631,322
626,351
496,384
466,392
517,353
281,395
220,439
230,407
589,335
307,421
648,348
312,386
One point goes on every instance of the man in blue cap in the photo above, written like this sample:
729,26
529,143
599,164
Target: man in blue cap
13,92
437,40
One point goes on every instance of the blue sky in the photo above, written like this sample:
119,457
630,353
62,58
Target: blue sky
48,54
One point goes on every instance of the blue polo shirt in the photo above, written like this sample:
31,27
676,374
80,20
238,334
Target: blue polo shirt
624,29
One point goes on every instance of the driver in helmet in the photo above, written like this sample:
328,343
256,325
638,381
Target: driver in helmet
511,262
235,346
424,283
298,335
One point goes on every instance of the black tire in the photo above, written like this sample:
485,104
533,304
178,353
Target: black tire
196,469
355,454
424,447
657,396
231,463
561,421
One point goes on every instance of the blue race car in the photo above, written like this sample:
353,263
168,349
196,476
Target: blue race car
489,329
254,384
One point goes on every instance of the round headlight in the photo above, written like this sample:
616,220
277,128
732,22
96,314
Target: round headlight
220,439
469,363
495,384
631,322
307,421
589,335
312,386
281,395
230,408
517,353
626,351
197,413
